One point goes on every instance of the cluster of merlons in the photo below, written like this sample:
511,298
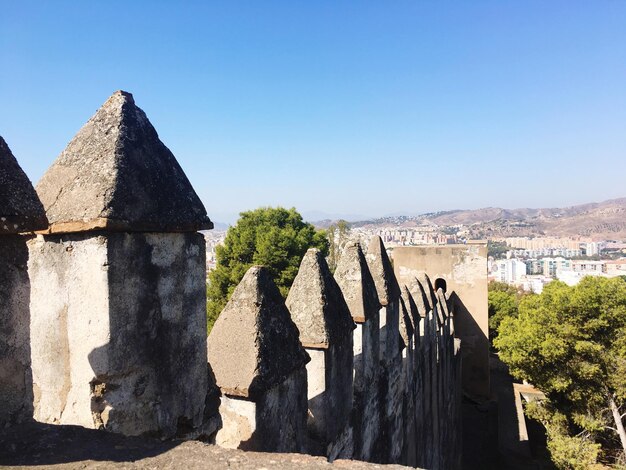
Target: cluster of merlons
102,308
350,366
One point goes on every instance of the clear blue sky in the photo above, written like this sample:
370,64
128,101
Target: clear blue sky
344,107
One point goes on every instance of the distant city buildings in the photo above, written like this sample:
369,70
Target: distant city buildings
530,263
546,259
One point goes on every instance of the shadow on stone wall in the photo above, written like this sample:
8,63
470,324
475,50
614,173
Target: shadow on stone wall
48,444
475,343
16,378
149,378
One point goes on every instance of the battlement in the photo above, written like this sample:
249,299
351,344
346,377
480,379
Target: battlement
103,311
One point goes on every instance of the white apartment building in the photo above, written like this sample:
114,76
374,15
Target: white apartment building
508,270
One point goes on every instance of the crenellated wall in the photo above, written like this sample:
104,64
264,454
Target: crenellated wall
400,406
102,308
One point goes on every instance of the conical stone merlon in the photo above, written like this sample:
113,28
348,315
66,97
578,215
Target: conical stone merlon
317,305
382,271
357,285
116,174
20,208
254,345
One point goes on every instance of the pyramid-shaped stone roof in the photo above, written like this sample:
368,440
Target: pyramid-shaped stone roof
356,283
429,290
420,297
411,306
116,174
405,325
443,303
20,208
317,305
382,271
254,345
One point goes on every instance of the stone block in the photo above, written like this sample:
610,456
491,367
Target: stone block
254,350
118,331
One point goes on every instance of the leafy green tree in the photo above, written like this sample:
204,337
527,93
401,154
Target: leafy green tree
273,237
570,342
337,239
503,301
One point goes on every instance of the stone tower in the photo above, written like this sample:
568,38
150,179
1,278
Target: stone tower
118,283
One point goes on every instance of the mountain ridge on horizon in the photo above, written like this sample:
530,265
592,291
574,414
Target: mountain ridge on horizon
595,219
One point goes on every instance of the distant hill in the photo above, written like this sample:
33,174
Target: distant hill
602,220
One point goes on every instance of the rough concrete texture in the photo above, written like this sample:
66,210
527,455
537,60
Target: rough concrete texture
254,345
316,387
419,296
238,422
20,208
407,332
282,416
358,288
72,447
118,331
274,423
319,310
382,271
330,395
406,327
116,174
317,305
394,412
16,391
391,345
357,285
464,268
432,297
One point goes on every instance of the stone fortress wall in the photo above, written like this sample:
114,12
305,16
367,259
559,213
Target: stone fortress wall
102,308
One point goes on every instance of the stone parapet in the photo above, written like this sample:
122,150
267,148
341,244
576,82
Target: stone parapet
20,211
118,301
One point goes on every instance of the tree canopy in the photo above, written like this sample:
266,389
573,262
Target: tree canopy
276,238
503,301
570,342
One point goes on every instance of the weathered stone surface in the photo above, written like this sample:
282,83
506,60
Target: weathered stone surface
419,296
317,305
20,208
429,290
319,310
464,269
117,175
118,328
71,447
391,390
16,390
412,308
276,422
356,283
20,211
330,395
254,344
442,301
382,271
406,323
407,332
358,288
